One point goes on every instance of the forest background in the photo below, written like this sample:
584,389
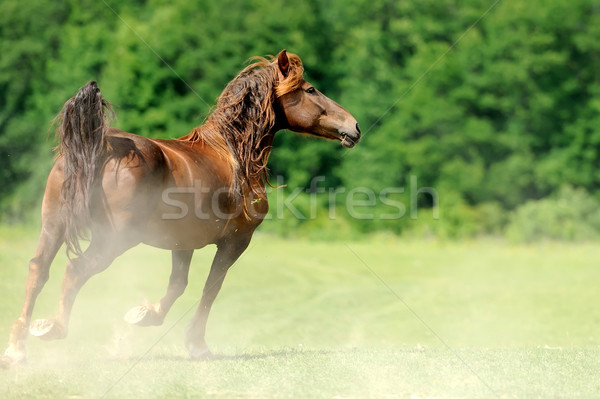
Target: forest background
479,118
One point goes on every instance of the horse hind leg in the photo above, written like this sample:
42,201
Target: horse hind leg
50,241
98,256
154,315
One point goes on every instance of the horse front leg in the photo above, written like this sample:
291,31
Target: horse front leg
154,315
228,252
51,239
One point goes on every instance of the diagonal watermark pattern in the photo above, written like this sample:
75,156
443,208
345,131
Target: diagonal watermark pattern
122,376
418,317
143,355
408,90
164,334
437,61
155,53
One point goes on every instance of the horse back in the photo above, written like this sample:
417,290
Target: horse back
178,194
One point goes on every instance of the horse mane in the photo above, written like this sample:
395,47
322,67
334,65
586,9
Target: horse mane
240,129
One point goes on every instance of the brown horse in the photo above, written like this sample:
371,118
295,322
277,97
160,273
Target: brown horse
208,187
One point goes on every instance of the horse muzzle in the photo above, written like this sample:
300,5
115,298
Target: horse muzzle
350,139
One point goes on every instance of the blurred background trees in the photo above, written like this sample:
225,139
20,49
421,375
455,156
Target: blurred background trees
506,126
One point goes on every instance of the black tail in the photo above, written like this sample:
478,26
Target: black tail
83,147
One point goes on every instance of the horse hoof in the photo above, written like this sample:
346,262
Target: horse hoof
12,357
142,316
6,362
200,353
136,315
47,329
9,362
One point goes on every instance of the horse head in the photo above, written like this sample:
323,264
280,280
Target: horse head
304,109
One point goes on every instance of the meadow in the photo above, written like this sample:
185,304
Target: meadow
382,317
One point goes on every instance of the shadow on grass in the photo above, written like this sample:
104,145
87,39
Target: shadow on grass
275,354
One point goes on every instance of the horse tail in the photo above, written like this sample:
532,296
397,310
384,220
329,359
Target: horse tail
82,131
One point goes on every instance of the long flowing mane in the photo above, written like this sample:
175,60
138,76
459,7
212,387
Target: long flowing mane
240,128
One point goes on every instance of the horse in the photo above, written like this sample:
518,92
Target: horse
117,190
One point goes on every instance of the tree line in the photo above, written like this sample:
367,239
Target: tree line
495,106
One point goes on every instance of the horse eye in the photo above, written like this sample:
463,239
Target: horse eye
311,90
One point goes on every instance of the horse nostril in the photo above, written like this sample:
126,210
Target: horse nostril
357,128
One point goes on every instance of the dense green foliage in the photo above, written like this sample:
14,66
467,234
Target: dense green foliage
510,114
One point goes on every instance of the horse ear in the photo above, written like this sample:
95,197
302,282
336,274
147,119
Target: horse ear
283,63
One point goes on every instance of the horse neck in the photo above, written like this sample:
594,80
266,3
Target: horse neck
248,154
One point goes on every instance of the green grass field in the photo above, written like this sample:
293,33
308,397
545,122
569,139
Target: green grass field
301,319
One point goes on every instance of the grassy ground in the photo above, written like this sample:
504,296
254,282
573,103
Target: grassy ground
299,319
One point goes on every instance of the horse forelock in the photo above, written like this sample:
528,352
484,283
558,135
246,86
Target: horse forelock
294,78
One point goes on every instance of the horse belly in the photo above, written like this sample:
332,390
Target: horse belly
184,226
